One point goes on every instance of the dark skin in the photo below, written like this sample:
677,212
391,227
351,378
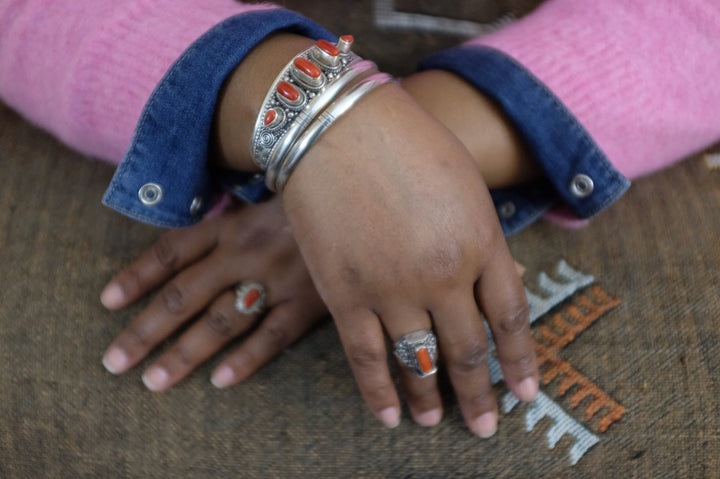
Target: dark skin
362,255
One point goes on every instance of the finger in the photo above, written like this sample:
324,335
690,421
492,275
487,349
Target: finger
183,297
464,348
221,323
422,394
423,397
285,324
172,252
503,300
362,336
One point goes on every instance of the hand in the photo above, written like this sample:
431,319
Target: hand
198,268
399,233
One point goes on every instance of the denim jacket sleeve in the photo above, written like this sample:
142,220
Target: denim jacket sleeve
164,178
578,175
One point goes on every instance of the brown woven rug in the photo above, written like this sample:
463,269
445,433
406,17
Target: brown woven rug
647,370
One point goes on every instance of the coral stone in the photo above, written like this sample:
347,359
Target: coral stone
347,38
424,359
251,297
328,48
288,91
270,117
307,67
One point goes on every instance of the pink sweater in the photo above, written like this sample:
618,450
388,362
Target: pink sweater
642,77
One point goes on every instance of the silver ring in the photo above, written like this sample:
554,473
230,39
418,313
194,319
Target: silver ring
250,298
418,352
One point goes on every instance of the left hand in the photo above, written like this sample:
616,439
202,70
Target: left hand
198,269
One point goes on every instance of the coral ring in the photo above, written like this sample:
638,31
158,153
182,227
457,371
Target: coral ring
418,352
249,298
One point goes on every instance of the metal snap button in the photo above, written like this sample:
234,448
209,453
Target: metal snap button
150,194
507,210
581,186
196,205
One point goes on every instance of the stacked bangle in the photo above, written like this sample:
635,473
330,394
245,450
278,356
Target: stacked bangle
278,174
295,111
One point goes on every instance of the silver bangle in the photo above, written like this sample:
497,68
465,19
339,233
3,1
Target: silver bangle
307,84
280,148
281,167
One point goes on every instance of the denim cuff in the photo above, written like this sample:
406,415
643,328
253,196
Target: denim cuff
164,178
577,172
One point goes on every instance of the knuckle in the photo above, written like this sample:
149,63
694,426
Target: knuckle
420,396
172,298
165,252
482,399
366,357
130,281
468,357
219,323
138,336
444,262
378,393
525,364
516,320
255,237
276,334
351,274
182,355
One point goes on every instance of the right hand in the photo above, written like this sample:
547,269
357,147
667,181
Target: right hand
398,231
399,234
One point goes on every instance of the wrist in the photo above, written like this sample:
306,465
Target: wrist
497,149
242,95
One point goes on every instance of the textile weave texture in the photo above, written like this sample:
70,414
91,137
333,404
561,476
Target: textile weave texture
63,415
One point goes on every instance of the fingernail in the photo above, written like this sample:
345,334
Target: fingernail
112,296
429,418
527,389
390,417
222,377
155,378
485,425
115,360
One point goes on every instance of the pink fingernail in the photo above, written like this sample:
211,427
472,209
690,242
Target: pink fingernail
527,389
115,360
485,425
112,296
390,417
155,378
429,418
223,377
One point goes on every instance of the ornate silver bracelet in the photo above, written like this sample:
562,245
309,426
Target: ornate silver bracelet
281,167
302,90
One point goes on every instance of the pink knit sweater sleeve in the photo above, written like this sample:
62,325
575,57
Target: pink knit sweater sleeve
642,77
84,69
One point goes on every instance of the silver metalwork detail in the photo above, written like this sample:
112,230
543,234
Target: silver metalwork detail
407,347
282,164
196,205
314,100
582,186
242,290
150,194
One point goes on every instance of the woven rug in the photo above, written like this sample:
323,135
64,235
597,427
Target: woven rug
628,325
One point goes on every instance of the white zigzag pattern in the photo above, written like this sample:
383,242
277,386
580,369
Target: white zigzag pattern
387,17
542,405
